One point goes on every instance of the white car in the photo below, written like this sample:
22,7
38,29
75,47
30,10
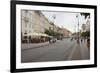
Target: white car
53,40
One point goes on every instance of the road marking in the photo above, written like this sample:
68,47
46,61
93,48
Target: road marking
84,51
72,52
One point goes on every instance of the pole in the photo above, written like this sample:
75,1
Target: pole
78,26
26,21
53,27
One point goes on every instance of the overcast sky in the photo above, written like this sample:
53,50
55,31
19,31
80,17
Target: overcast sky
67,20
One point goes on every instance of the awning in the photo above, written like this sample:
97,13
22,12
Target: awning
45,35
37,34
33,34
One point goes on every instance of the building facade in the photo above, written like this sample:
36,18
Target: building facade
86,26
66,33
34,24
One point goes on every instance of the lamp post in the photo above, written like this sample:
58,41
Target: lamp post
26,22
77,16
75,31
54,17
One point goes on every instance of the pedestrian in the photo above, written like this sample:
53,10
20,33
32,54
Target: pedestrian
71,38
81,40
49,40
88,44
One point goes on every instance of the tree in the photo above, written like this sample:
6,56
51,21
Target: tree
85,14
85,34
52,33
49,32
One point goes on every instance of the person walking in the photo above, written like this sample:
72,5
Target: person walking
49,40
81,40
88,44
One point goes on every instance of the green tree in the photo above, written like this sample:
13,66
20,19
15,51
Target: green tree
85,34
52,33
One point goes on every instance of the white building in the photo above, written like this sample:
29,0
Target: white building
86,26
33,24
27,23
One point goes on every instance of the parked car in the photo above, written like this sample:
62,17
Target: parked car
52,40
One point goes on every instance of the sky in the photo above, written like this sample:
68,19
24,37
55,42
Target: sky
66,20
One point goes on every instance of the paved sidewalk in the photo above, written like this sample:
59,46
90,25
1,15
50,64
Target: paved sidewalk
33,45
85,51
79,52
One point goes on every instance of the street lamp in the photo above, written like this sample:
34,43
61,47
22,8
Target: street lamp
75,31
54,17
77,16
26,22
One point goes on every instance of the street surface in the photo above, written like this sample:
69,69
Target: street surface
62,50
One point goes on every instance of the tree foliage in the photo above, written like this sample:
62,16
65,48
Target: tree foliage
52,33
85,14
85,34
